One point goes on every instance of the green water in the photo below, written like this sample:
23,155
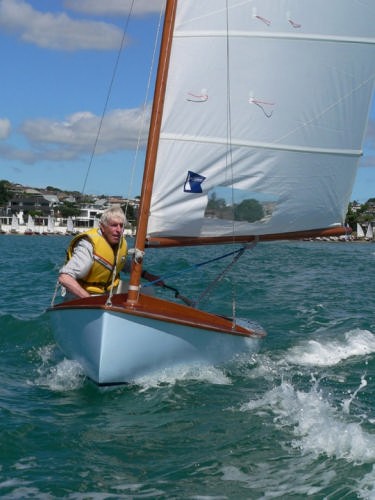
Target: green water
296,420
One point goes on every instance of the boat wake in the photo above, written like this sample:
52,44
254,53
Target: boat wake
65,375
173,375
318,425
58,374
316,432
314,404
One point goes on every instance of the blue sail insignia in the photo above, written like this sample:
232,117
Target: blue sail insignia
193,183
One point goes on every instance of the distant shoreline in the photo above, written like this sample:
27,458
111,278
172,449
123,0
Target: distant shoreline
43,231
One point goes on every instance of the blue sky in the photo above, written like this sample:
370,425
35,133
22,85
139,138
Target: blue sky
57,59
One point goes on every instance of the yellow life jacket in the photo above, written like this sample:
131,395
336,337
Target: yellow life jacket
99,278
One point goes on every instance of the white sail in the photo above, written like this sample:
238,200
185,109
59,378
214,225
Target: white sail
287,131
369,232
50,224
69,225
360,232
14,225
30,226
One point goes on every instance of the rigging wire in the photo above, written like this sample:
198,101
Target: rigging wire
141,130
221,275
229,168
105,107
236,253
229,152
114,72
144,113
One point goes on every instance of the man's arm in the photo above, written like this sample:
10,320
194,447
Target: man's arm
77,267
72,285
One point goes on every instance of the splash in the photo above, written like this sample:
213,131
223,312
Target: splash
64,375
173,375
346,404
330,353
318,427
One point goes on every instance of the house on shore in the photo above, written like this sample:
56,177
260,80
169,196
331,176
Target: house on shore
42,210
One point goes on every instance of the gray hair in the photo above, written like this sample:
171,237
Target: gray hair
114,212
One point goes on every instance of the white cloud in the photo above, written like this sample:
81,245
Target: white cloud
56,30
114,7
5,128
76,136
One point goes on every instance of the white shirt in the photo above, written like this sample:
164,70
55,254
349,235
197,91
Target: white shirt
81,261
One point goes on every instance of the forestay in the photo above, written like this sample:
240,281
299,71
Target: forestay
274,113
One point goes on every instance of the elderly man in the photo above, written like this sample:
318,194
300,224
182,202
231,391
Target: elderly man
95,255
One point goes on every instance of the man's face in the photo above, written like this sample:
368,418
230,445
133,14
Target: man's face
112,231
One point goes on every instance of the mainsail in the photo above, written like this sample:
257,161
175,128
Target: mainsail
266,107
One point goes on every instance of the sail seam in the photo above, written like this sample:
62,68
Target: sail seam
262,145
264,34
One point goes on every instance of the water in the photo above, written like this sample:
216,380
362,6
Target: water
295,420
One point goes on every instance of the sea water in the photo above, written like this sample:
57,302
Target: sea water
294,420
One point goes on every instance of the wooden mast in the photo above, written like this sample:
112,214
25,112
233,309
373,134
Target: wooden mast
152,148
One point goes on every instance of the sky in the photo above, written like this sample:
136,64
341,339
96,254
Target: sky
58,81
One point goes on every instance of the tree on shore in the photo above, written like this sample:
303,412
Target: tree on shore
5,193
69,209
361,214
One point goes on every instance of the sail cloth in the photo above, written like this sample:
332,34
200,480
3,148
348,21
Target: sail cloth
266,106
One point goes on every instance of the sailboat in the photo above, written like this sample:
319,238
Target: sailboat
30,226
14,228
70,229
262,104
50,226
360,232
369,232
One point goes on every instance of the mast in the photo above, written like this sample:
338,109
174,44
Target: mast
152,148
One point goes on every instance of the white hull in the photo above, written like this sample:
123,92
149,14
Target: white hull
115,347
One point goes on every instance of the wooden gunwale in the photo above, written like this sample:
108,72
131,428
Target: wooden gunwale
162,310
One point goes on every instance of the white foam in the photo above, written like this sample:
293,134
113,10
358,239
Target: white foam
22,489
347,402
64,376
58,375
272,482
26,463
171,376
330,353
318,427
366,486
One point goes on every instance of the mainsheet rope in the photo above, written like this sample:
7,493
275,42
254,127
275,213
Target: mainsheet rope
237,254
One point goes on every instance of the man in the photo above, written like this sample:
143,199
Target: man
95,255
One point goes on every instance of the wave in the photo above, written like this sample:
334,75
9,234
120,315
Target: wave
318,426
332,352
